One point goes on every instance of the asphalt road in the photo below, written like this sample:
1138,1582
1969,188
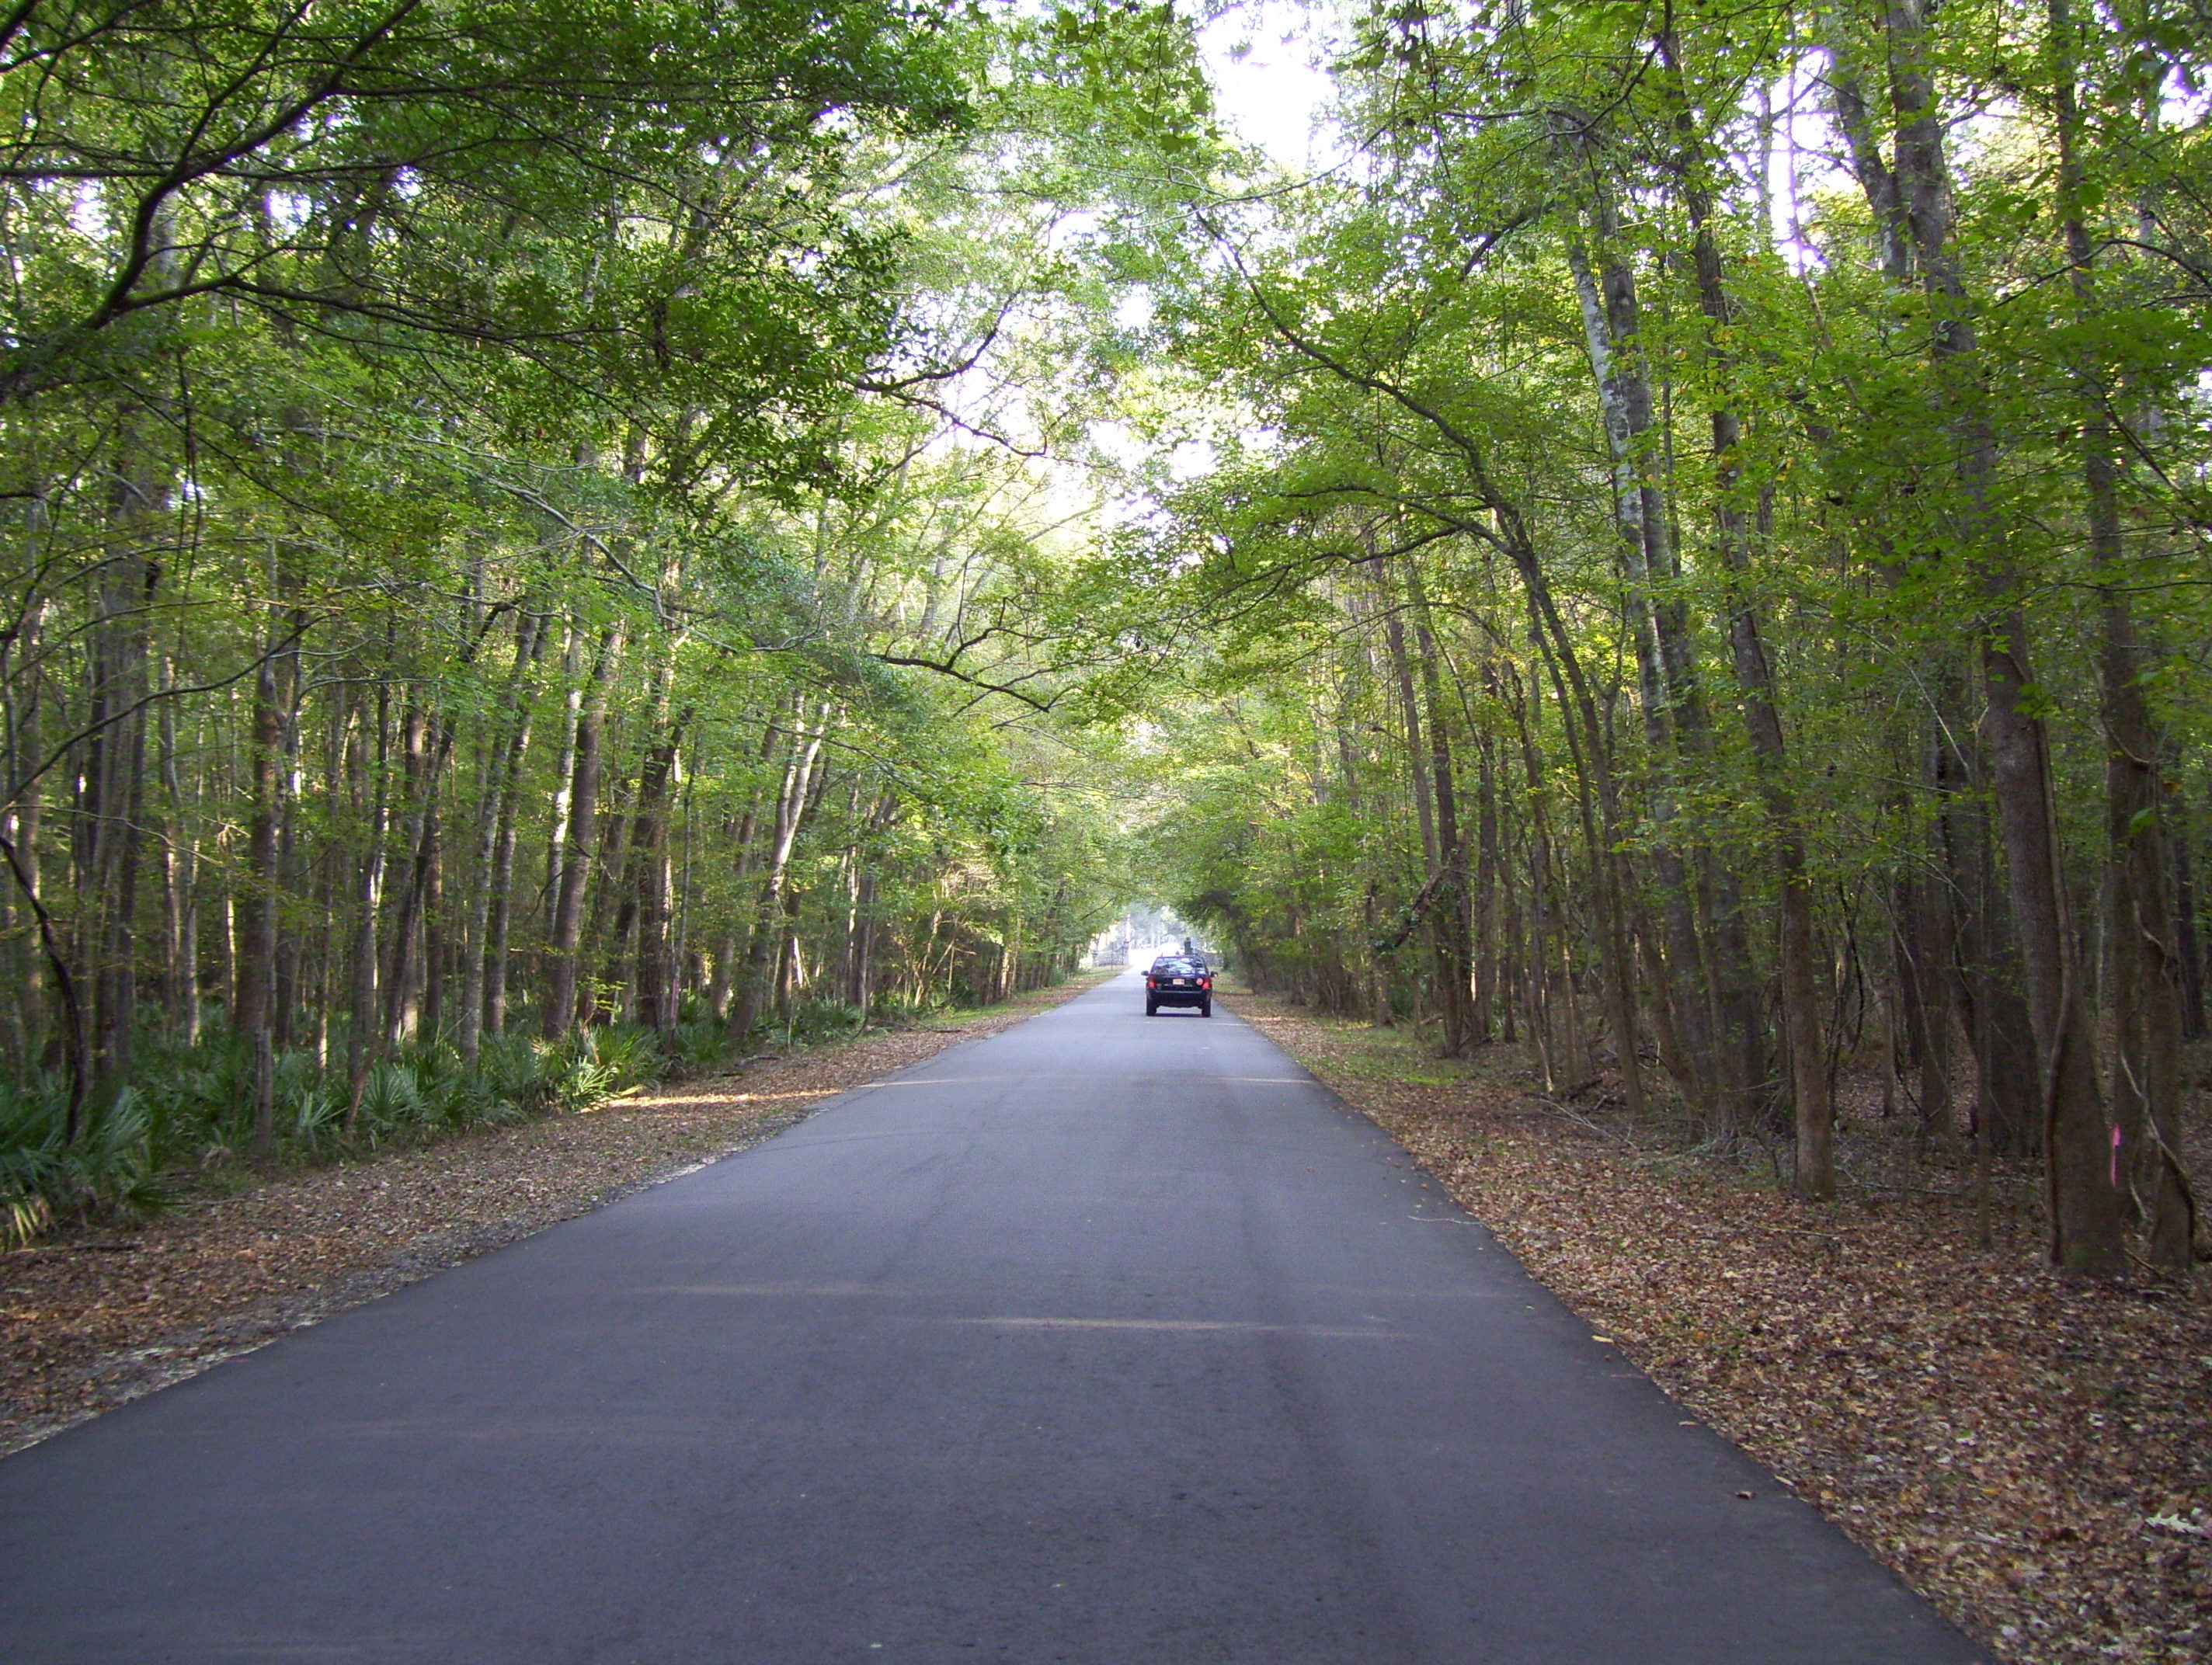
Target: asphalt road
1107,1339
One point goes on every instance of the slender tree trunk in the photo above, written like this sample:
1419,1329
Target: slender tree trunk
1968,916
763,955
2145,997
1922,948
1418,769
561,1005
2085,1197
649,857
2187,936
613,916
499,920
1487,877
403,982
1545,925
21,832
1670,706
430,880
564,777
1802,1042
372,763
1394,634
180,874
258,979
1449,914
112,775
483,966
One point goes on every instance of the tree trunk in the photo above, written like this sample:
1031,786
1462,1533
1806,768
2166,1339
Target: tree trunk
2145,997
1448,915
654,882
400,983
1915,196
762,954
258,978
1922,949
1802,1042
112,776
2187,936
1487,876
499,919
2085,1197
560,1014
1670,706
21,831
372,768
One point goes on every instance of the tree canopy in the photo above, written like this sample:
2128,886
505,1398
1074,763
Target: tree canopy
538,540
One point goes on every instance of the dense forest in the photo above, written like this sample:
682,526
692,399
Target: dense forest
1707,578
545,542
497,597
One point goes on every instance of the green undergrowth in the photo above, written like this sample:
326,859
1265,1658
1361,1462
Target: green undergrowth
186,1121
187,1115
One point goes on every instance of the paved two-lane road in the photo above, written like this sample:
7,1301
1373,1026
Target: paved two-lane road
1107,1339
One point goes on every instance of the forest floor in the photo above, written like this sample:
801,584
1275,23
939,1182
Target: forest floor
92,1318
2032,1453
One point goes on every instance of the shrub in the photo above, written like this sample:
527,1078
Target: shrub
46,1178
192,1104
818,1020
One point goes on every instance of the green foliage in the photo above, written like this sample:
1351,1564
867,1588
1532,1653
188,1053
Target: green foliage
46,1177
386,405
195,1112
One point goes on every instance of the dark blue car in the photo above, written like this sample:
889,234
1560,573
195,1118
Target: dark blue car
1179,979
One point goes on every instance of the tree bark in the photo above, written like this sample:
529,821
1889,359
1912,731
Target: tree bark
499,919
1612,329
257,974
654,881
1448,915
2086,1232
2145,996
762,955
1803,1041
561,1005
371,769
1487,876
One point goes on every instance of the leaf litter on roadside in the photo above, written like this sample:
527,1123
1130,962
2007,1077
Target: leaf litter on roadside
91,1319
2032,1453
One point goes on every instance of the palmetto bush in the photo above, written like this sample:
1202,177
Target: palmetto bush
894,1009
819,1020
192,1107
701,1042
598,1063
47,1178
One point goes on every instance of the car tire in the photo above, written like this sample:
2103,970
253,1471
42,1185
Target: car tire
1151,1009
1205,1008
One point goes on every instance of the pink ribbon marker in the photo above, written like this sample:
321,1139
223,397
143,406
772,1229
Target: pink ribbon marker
2116,1158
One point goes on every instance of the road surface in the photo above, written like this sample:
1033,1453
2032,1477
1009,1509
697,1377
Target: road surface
1107,1339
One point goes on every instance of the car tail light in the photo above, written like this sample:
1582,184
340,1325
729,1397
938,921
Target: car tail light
1206,982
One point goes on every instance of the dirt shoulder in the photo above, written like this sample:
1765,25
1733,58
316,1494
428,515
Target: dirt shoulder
90,1320
2034,1456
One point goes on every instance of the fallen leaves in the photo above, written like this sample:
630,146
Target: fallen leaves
2018,1447
2181,1526
95,1320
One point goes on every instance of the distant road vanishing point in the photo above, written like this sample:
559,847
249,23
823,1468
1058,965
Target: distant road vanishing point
1104,1340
